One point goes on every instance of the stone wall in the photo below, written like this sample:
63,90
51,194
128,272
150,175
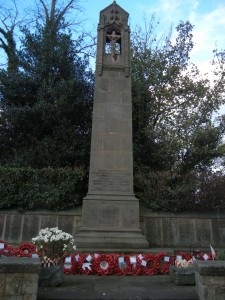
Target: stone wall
195,229
19,278
161,229
16,228
210,279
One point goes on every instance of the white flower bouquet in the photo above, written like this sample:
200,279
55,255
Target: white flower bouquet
53,245
183,263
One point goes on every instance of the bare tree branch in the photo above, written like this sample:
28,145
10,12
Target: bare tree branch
45,10
3,45
66,8
8,22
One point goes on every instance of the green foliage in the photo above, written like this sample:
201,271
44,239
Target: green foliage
167,191
173,104
47,104
211,190
221,255
56,189
175,137
46,110
162,191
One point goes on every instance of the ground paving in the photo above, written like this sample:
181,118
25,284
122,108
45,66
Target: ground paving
91,287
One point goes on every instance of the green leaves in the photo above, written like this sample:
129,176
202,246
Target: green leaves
47,104
55,189
173,104
175,137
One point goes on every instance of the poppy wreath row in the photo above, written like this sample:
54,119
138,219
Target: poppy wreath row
6,250
188,256
25,249
108,264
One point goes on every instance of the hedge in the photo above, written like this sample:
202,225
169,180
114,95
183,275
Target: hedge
164,191
55,189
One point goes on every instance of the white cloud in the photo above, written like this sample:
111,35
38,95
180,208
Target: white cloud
171,11
208,34
208,29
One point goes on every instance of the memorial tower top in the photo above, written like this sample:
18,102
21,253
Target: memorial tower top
113,47
113,14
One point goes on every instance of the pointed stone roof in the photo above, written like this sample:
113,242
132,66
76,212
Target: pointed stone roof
114,14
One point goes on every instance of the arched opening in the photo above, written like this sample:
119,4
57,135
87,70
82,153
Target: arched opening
113,43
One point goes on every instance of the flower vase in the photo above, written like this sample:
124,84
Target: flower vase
51,276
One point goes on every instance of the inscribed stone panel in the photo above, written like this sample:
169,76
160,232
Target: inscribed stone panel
109,216
110,182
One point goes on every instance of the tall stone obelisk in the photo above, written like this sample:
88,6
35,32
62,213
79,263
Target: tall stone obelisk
110,213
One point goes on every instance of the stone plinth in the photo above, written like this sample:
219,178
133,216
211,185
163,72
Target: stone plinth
19,277
110,213
210,279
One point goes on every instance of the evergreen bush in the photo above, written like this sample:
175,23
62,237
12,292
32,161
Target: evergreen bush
55,189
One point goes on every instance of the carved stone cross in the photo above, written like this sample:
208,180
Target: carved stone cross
113,37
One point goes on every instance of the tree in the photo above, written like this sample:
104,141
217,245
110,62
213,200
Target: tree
175,136
47,105
173,103
8,22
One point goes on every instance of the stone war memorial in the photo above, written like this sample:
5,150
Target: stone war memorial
110,212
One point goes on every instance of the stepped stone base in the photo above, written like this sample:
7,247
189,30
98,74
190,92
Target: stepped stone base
98,240
110,222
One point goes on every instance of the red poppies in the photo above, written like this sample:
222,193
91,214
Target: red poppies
108,264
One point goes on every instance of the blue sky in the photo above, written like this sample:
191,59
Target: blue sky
207,16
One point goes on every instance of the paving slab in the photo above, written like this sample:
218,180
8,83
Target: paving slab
91,287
